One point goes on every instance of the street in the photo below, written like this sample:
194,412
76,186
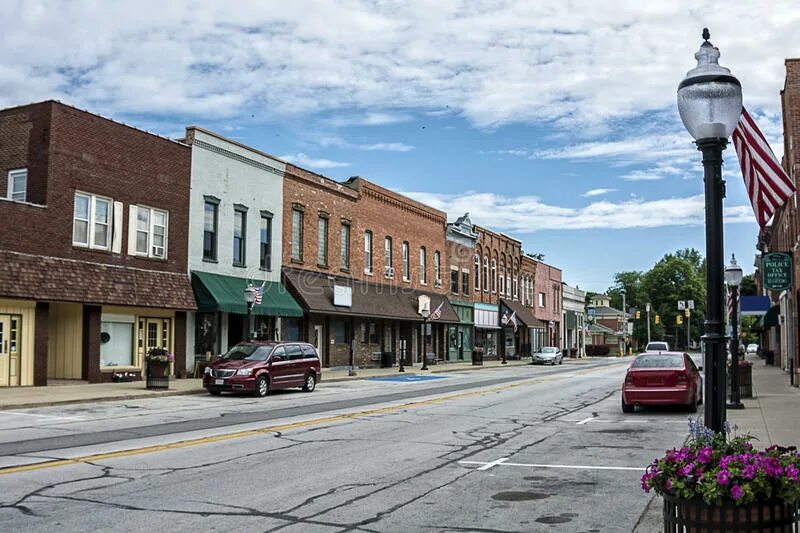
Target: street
518,449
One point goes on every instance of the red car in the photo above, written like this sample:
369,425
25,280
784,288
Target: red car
258,367
662,378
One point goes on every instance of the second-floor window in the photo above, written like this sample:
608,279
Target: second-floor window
266,242
297,235
423,265
465,282
211,213
406,274
368,252
18,184
344,246
239,235
322,240
477,272
454,281
437,274
91,221
494,275
485,274
541,300
151,231
387,257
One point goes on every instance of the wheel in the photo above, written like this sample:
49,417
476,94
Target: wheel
693,405
560,360
213,392
627,408
310,384
262,387
700,399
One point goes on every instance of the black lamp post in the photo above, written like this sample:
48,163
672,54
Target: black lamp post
710,104
425,314
249,298
733,278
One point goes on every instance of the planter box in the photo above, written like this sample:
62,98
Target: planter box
745,374
157,375
690,516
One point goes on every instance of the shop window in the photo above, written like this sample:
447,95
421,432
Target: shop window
116,341
339,332
369,333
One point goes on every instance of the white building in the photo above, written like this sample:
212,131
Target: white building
574,319
235,229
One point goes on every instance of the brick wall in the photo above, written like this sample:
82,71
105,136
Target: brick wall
66,149
506,252
459,257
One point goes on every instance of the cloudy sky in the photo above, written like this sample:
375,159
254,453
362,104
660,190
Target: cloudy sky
552,121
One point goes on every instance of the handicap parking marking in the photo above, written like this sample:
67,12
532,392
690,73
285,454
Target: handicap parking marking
411,378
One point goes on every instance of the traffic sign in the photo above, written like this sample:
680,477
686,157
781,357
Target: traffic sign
681,305
690,304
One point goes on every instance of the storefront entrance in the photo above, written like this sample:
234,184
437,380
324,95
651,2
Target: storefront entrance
10,357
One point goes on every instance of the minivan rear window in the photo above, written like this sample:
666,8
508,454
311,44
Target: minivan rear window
293,351
308,351
659,361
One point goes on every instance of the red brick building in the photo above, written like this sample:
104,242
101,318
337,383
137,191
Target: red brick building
548,301
93,245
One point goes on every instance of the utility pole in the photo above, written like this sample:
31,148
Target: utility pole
647,308
624,324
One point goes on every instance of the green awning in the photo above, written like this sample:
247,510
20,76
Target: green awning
771,318
215,292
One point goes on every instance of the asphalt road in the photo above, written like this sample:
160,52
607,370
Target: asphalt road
519,449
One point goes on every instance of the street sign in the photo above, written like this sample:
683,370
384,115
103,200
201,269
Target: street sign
681,305
690,304
777,271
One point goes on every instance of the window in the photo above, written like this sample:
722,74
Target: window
477,273
454,281
485,274
508,284
322,240
368,252
340,332
266,242
297,234
516,286
369,333
541,299
465,282
91,222
494,275
437,259
116,340
406,276
18,184
211,210
239,235
344,246
423,265
387,257
502,281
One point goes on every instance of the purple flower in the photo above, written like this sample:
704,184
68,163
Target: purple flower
791,472
646,482
772,467
686,470
669,485
737,492
750,471
705,455
724,477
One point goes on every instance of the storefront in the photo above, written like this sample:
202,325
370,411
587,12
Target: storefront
487,330
459,336
16,342
529,332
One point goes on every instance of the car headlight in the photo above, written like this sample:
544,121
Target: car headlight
208,370
244,372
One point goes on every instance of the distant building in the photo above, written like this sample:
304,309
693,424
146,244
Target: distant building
574,320
606,324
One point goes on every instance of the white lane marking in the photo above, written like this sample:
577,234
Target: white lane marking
585,420
502,462
42,416
487,466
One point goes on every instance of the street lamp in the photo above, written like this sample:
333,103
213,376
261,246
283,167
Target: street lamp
249,298
710,104
733,278
425,312
624,324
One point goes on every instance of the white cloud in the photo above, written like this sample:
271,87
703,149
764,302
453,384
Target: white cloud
304,160
528,214
370,147
597,192
370,119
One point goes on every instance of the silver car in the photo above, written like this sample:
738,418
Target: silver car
548,355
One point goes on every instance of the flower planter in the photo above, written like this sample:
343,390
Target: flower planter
157,375
745,375
692,516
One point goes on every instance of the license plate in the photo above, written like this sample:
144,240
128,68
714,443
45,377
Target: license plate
219,382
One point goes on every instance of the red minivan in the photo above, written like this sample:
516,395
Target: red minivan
662,378
258,367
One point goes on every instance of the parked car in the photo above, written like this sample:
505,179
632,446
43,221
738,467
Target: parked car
657,346
258,367
662,378
548,355
752,349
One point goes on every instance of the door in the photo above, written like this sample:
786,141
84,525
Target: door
156,334
5,327
460,344
280,368
319,343
10,350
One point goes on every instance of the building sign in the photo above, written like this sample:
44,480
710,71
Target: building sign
777,271
342,296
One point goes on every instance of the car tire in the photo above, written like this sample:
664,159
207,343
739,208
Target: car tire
262,387
700,398
213,392
560,360
310,383
627,408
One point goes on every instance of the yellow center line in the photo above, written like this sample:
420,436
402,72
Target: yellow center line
280,427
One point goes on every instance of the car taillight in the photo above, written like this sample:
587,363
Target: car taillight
628,379
682,379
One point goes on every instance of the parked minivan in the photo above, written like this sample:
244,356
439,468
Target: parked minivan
657,346
258,367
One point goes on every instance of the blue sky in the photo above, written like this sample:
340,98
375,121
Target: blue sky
553,122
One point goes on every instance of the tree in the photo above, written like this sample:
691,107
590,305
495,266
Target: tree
538,257
748,286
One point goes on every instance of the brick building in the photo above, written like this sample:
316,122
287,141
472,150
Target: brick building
548,301
357,257
93,237
459,279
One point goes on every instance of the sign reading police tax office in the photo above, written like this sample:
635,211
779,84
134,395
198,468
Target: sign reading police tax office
777,271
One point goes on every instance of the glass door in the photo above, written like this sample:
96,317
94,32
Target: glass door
156,333
5,326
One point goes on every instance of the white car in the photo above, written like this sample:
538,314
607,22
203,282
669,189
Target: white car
548,355
656,346
752,348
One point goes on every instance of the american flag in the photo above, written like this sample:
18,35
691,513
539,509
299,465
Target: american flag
513,320
437,314
767,183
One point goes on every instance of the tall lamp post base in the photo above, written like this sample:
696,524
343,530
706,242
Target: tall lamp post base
731,405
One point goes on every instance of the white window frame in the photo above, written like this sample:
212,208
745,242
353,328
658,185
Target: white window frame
423,265
437,273
151,225
91,222
406,268
12,175
542,299
368,252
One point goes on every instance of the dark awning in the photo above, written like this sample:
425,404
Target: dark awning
315,292
215,292
524,314
771,318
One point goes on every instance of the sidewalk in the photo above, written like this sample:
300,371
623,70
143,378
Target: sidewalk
23,397
768,416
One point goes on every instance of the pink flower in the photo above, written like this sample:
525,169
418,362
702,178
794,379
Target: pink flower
791,472
737,492
750,471
669,485
705,455
724,477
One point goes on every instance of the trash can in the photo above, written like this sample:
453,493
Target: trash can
770,358
387,359
477,357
